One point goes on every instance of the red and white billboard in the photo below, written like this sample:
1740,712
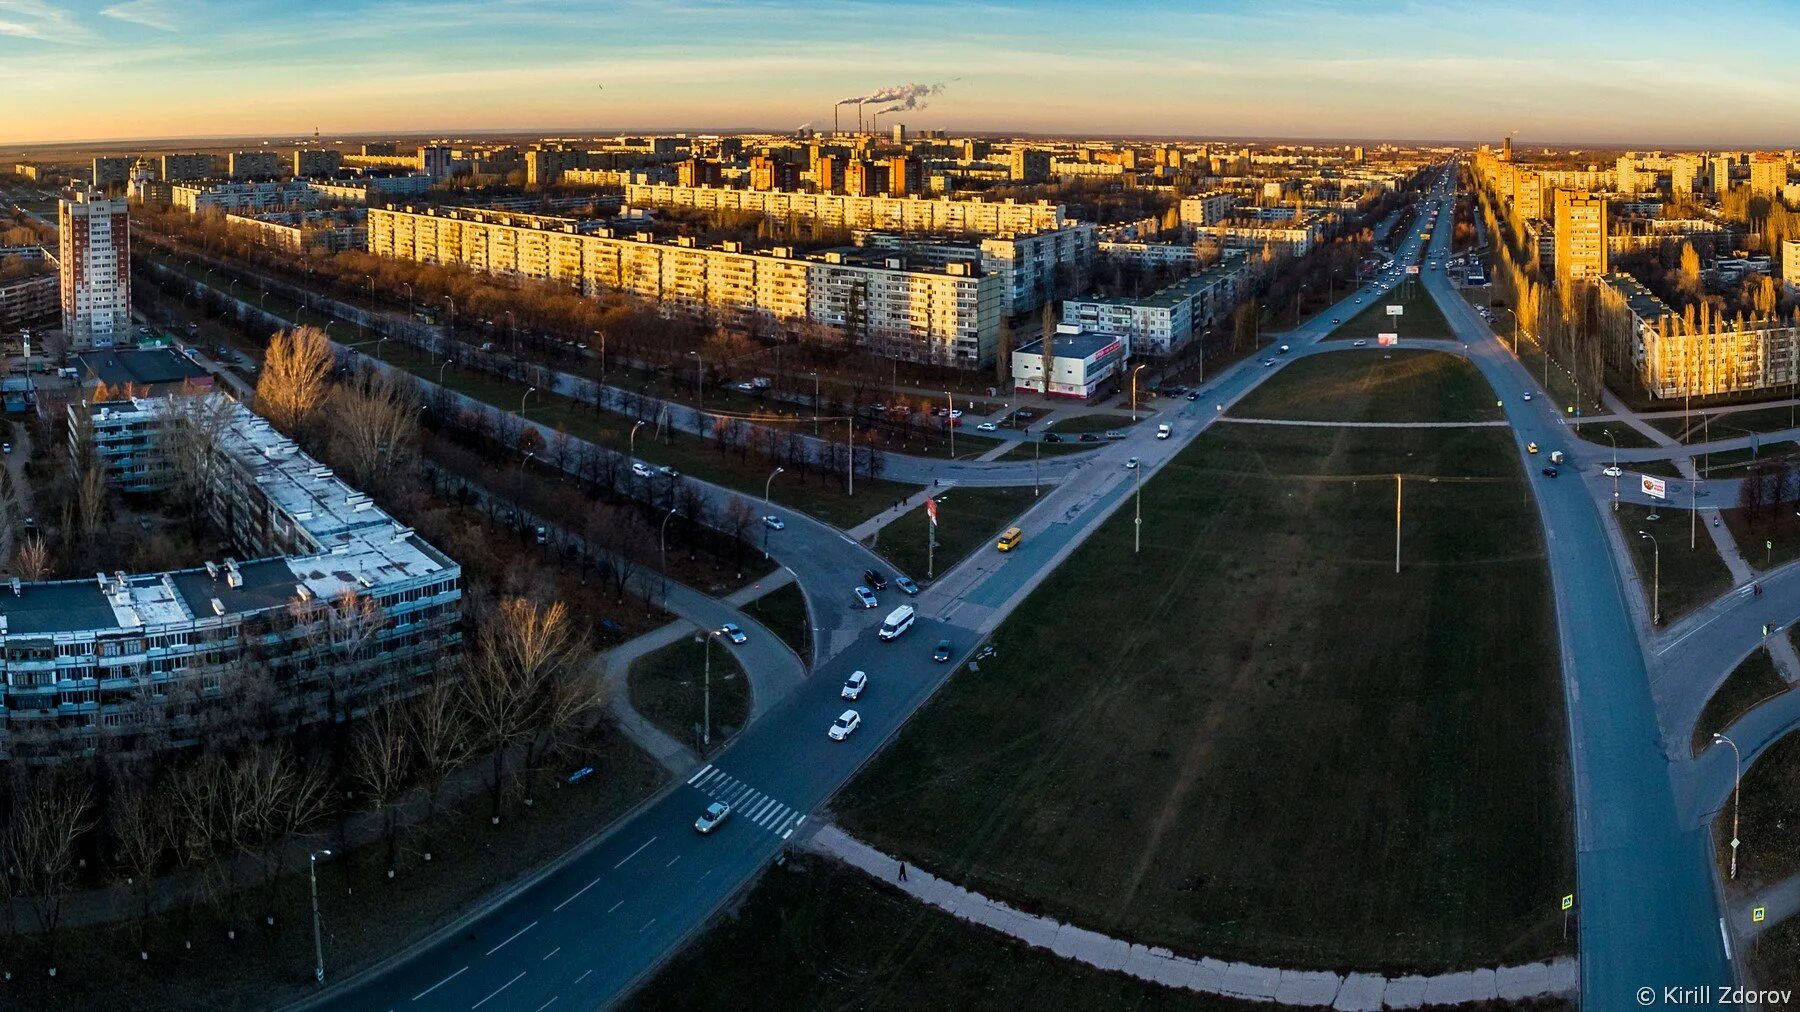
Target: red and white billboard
1654,487
1387,339
1414,269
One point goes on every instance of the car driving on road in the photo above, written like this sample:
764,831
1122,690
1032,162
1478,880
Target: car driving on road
847,722
865,597
942,653
874,579
906,585
987,427
774,523
709,820
1614,471
854,685
731,632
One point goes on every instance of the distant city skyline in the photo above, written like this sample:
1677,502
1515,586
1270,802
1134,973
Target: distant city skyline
1555,73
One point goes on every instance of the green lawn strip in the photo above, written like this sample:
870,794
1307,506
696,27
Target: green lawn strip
814,934
1374,386
1775,957
822,496
1748,684
1623,436
1691,577
968,519
1726,424
1769,849
1155,728
1024,451
1095,421
1659,468
668,686
1420,317
1768,537
783,612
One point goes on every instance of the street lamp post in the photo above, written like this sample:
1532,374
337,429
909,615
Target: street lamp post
312,872
528,392
441,369
1135,370
601,334
1737,783
1137,496
1036,447
950,422
1656,579
662,540
706,697
631,441
765,526
450,328
1615,467
512,326
815,377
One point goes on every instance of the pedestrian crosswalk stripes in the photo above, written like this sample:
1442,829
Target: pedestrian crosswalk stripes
766,811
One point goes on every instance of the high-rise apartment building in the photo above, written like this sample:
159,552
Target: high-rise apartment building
94,244
1580,236
828,174
255,164
697,172
112,170
1768,173
1721,173
903,176
437,161
317,162
769,173
862,179
188,166
1029,165
1790,265
903,214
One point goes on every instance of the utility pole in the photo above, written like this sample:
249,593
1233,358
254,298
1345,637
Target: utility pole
1737,782
1397,488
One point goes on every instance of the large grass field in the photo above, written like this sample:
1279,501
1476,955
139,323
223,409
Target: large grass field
1420,317
1770,539
1374,386
1256,740
968,520
668,686
1690,577
815,935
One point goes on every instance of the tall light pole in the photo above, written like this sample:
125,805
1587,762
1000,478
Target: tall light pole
631,440
1656,579
1615,467
815,377
706,698
662,540
601,334
950,422
1137,496
699,379
528,392
312,873
765,526
1036,448
450,328
1737,782
441,369
1135,370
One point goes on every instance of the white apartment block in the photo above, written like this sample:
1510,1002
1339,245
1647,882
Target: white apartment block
1152,254
1295,240
94,253
1207,208
1166,321
1033,267
949,316
255,164
1713,356
242,197
902,214
1790,265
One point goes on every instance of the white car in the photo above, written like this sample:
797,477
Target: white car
1527,395
865,597
774,523
1358,343
640,470
854,685
1131,465
1613,472
847,722
732,632
1163,431
709,820
987,427
668,472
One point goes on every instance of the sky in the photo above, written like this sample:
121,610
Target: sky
1647,73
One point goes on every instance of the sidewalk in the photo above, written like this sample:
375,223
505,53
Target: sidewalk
1368,991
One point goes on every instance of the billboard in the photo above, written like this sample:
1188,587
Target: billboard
1653,487
1387,339
1414,269
1396,310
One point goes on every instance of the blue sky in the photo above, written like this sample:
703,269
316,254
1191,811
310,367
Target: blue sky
1648,72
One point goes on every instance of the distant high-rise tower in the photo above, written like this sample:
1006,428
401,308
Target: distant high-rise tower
898,132
1506,149
1580,236
95,249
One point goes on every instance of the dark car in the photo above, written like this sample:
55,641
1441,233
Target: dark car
875,580
1051,437
1193,395
942,653
1549,472
1090,437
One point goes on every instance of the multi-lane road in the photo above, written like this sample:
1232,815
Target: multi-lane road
588,931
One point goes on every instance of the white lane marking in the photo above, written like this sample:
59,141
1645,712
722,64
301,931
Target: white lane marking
490,997
704,770
713,779
515,934
1727,939
703,875
646,926
582,977
573,895
552,952
672,861
634,853
787,834
760,808
772,816
547,1004
615,906
786,828
798,824
439,984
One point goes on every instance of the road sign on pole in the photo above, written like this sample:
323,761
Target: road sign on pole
1569,902
1656,488
1759,914
931,510
1396,310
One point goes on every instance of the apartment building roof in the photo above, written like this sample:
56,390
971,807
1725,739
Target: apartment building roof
143,366
1640,300
1172,295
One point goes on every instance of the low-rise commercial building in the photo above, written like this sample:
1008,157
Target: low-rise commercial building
904,214
947,316
1083,365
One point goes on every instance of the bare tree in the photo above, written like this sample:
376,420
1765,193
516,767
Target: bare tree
520,650
33,561
51,812
139,844
374,425
296,369
381,762
440,733
188,447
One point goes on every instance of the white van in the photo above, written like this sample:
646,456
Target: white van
898,621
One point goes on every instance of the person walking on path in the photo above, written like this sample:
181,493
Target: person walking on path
903,871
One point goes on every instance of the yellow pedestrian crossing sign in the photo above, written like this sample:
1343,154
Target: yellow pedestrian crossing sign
1569,902
1759,914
